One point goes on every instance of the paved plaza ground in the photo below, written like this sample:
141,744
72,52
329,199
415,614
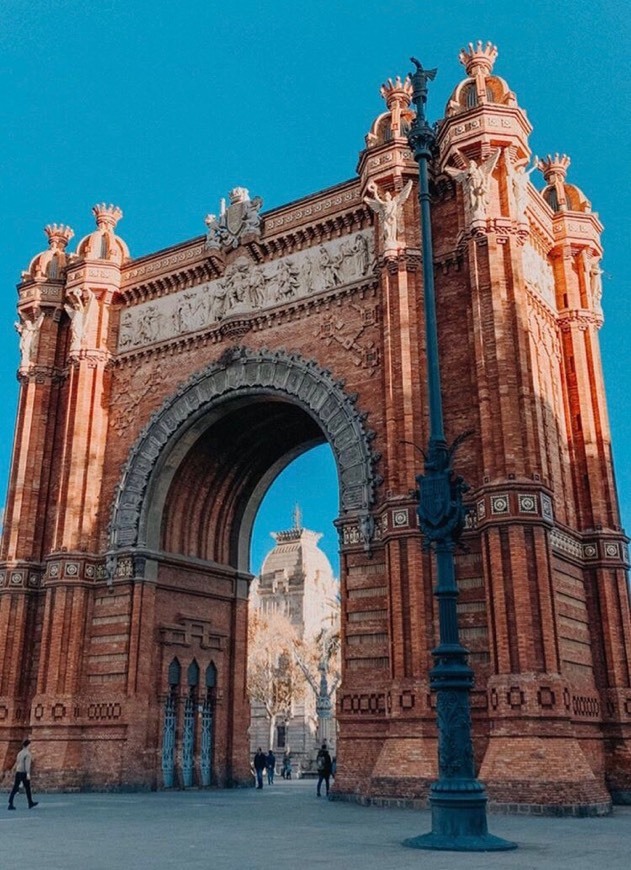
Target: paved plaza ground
283,826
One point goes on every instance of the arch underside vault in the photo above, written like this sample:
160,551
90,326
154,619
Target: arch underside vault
197,473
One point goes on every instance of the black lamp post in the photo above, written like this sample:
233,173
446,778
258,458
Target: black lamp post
458,800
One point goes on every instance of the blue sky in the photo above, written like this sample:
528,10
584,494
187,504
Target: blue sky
163,107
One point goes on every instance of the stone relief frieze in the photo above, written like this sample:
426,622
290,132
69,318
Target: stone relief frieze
246,288
538,274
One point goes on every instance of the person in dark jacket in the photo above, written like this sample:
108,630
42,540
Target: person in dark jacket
271,767
260,763
285,771
324,767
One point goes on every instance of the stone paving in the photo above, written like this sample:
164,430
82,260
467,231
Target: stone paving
283,826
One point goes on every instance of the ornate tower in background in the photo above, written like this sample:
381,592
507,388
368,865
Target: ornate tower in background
296,580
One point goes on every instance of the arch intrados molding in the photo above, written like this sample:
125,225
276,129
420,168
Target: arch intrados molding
241,373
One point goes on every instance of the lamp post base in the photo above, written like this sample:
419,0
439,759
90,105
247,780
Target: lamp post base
444,843
459,820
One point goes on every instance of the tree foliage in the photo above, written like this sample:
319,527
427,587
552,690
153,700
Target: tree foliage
274,678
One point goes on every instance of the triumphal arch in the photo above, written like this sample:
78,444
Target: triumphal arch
160,395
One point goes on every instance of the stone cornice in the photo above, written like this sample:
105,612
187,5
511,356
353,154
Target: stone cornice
490,120
46,292
314,210
581,319
380,159
21,575
522,499
578,229
594,548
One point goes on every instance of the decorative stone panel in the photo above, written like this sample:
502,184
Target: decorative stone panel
547,511
373,704
500,504
527,503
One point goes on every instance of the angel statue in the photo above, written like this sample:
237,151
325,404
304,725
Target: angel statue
28,331
519,178
475,179
596,283
389,210
79,313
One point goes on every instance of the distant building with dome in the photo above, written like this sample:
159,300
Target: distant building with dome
297,580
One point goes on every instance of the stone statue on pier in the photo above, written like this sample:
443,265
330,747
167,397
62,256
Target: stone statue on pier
80,313
476,182
389,208
28,331
519,178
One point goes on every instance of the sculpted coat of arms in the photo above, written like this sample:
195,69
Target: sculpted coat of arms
241,218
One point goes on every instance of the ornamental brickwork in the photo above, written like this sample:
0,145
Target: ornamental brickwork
160,395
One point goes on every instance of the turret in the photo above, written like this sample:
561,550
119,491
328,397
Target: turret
103,243
93,281
386,165
483,145
52,262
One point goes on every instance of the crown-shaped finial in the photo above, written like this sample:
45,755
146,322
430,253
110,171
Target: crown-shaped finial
479,58
397,92
554,168
58,236
107,215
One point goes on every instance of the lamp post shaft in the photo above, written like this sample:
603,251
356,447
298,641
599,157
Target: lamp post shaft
458,800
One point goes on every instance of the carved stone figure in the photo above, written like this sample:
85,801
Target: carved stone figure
390,209
329,270
149,325
218,301
362,255
254,289
306,276
288,277
128,336
475,180
28,331
596,283
189,314
236,282
80,311
519,178
213,237
240,219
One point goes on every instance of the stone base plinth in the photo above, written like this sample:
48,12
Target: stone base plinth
544,776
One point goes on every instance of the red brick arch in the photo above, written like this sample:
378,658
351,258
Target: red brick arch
238,379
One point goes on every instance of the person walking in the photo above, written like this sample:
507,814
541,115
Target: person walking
260,763
23,775
324,767
271,765
286,768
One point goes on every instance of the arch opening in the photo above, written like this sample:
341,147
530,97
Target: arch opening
223,438
214,496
